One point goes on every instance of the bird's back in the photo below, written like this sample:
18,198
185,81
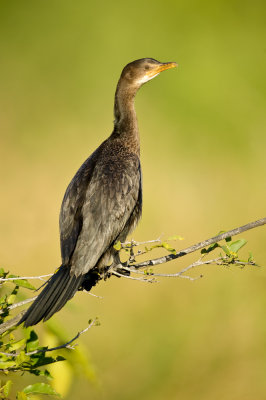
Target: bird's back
98,205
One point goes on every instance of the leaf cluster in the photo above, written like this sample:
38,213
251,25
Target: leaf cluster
229,253
21,352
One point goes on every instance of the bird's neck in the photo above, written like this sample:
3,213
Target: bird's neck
126,123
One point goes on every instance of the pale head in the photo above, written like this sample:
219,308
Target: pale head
141,71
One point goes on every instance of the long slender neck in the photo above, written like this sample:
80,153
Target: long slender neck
126,124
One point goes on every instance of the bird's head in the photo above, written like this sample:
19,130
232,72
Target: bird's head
141,71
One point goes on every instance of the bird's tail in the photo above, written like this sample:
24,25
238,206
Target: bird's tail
59,289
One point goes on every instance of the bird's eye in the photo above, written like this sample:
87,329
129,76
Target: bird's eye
147,67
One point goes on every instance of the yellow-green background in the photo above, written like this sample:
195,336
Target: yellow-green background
203,156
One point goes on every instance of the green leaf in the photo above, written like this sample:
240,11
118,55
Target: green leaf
40,360
22,282
7,364
6,388
22,358
35,371
117,246
3,274
32,342
3,300
250,258
25,284
46,373
17,345
210,248
22,396
168,248
226,250
176,237
38,372
60,358
11,299
40,388
236,246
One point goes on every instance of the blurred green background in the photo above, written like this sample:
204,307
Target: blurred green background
203,157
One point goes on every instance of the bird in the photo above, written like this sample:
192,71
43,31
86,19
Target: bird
103,202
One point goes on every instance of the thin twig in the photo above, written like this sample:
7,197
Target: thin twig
62,346
198,263
94,295
19,304
25,278
131,277
134,243
178,274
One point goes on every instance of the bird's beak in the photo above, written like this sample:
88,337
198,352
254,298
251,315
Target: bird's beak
161,68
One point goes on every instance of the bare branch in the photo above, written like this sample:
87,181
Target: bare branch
168,257
178,274
201,245
131,277
92,294
25,278
62,346
19,304
133,243
12,322
134,267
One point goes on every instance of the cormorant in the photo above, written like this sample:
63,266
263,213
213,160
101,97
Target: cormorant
102,203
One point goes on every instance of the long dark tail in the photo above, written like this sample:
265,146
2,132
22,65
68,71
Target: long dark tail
59,289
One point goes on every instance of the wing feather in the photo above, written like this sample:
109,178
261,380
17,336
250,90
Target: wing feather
97,205
71,218
110,200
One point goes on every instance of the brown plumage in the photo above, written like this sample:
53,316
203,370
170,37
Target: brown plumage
102,203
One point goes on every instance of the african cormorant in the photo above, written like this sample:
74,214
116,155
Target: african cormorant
102,203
